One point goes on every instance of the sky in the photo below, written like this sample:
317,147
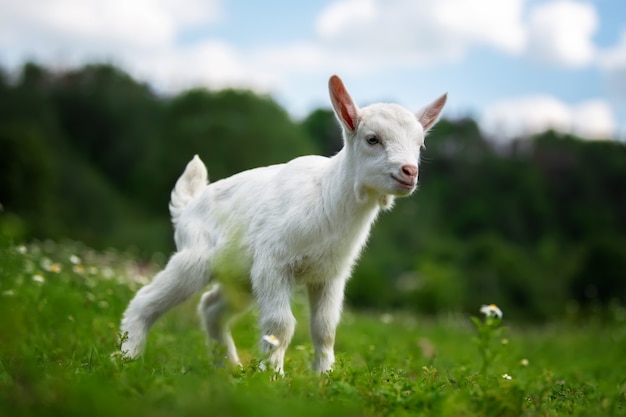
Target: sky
517,66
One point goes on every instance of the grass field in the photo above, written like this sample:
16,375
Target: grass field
61,305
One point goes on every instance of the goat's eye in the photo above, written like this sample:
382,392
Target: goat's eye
372,140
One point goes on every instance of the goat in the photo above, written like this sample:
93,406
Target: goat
269,229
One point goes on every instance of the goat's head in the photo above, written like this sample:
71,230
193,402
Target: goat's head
383,141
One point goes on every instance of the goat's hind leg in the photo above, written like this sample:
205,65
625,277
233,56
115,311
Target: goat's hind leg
217,314
185,273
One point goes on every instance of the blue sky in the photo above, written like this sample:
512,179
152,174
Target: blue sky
517,66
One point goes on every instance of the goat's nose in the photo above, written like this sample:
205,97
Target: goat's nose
409,172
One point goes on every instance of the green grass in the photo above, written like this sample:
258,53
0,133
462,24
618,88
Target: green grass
59,323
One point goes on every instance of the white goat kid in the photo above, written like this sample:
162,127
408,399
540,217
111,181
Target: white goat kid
271,228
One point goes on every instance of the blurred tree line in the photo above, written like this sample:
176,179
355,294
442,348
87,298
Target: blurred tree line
537,226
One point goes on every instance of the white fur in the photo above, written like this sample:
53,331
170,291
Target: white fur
264,231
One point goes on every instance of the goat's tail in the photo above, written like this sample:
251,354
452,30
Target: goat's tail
188,186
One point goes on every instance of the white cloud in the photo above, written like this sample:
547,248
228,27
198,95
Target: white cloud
337,16
409,33
525,116
529,115
299,57
560,33
593,119
377,34
494,23
351,37
613,63
615,57
210,63
78,31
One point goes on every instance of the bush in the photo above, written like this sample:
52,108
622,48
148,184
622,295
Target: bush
601,274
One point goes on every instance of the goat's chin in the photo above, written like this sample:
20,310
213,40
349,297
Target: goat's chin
400,190
393,189
403,192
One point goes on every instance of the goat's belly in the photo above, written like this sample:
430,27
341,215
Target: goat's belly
306,270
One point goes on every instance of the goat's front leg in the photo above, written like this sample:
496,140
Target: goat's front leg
276,321
326,300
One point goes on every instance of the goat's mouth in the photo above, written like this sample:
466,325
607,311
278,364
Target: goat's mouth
404,184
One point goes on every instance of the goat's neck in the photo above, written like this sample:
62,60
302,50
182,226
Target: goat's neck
344,198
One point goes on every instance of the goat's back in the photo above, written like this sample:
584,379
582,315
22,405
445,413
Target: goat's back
280,214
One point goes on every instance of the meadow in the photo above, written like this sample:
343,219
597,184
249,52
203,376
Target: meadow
61,304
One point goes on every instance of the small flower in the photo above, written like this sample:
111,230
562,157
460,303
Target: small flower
39,278
524,362
386,318
56,268
429,351
507,376
46,264
491,310
78,268
22,250
74,259
271,339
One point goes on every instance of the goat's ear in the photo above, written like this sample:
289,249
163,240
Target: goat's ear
429,114
347,112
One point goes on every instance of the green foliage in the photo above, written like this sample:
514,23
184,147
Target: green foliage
436,287
490,336
599,278
517,225
92,154
61,306
323,126
28,176
231,131
537,226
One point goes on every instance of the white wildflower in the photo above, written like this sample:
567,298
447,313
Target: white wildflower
507,376
46,264
39,278
22,250
271,339
386,318
75,259
491,310
107,272
524,362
